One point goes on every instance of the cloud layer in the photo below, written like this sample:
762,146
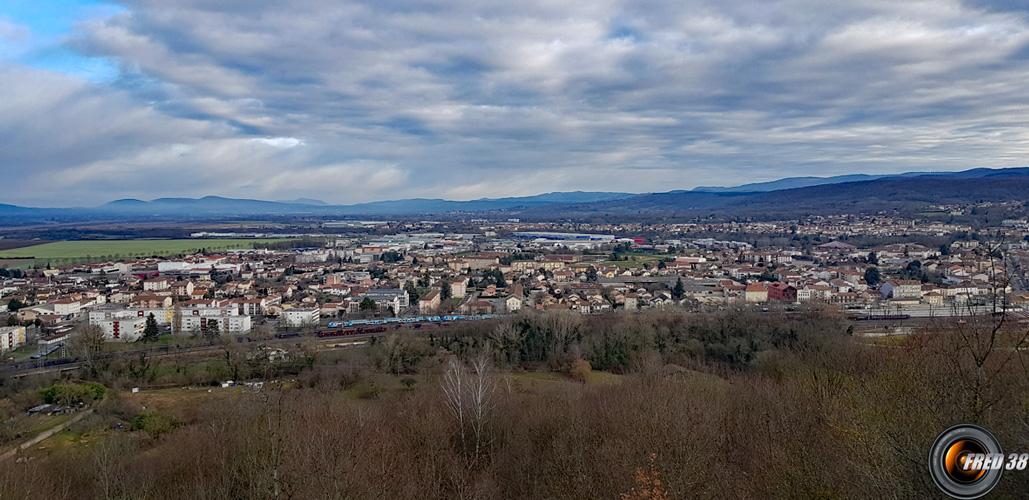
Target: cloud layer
357,101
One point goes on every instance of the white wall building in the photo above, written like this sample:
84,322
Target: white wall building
211,319
127,329
301,317
126,324
11,337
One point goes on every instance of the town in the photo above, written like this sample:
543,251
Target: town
315,282
514,251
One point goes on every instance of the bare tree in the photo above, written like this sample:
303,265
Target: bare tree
978,354
110,466
469,393
88,345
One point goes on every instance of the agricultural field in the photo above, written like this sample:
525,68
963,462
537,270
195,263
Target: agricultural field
80,251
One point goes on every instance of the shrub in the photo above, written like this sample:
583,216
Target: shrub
153,423
73,393
580,370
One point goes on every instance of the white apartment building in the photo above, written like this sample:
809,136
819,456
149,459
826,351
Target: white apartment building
163,316
211,319
127,324
121,329
156,284
66,307
301,317
11,337
389,298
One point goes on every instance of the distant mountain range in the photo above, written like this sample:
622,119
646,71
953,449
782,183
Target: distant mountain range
213,205
790,196
799,182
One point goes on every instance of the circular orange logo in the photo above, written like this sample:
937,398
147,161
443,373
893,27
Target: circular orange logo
960,462
958,458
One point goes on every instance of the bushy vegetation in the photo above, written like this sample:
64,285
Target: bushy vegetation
153,423
618,342
68,393
725,405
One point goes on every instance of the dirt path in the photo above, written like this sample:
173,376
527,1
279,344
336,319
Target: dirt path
45,435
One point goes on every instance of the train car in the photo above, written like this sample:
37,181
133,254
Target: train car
879,317
450,318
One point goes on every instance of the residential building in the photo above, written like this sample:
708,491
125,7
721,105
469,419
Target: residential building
301,317
755,292
429,303
11,337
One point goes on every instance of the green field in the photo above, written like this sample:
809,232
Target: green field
69,252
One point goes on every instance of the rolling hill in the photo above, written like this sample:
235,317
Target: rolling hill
842,194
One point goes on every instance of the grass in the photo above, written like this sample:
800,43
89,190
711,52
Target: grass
23,353
98,250
886,340
26,427
69,438
42,423
165,339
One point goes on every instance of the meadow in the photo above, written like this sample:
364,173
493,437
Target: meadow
66,252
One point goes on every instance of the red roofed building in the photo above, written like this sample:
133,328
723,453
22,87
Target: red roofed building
756,292
782,292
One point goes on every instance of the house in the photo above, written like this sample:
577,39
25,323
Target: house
459,288
477,307
151,301
933,298
429,302
631,302
513,303
182,288
333,309
755,292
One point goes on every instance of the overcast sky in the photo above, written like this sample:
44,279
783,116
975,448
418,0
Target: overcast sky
355,101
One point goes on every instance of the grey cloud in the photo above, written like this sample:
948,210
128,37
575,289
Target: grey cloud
389,99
